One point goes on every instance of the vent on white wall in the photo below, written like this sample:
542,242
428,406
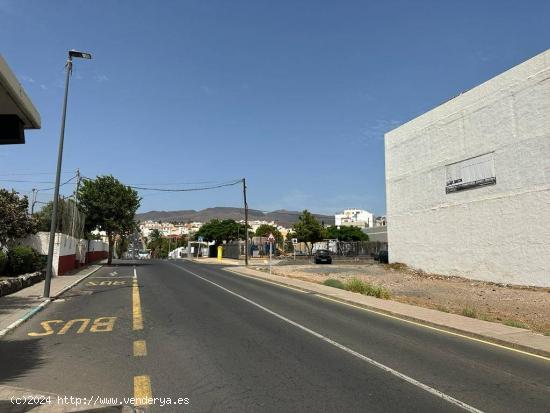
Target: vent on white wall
471,173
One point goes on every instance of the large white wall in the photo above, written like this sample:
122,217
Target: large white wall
499,232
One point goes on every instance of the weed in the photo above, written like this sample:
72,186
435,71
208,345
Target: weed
357,286
443,308
331,282
397,266
469,312
514,323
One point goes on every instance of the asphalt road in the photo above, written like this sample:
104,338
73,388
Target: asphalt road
230,343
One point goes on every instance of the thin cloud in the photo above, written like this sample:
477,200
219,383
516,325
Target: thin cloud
27,79
100,78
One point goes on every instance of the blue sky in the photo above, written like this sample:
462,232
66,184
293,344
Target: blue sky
293,95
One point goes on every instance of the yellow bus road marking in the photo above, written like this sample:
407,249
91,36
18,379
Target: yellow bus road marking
105,283
142,390
140,348
136,307
100,325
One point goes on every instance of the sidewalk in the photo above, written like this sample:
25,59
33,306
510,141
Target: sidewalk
21,305
518,338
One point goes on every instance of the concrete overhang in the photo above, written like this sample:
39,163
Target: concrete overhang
17,112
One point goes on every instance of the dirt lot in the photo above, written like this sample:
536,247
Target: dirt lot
517,306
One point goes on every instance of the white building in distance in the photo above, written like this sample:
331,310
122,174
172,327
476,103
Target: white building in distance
468,183
354,217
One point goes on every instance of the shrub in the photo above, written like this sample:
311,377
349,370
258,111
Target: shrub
357,286
3,262
514,323
22,260
469,312
331,282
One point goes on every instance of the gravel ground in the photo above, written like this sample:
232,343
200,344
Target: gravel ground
526,307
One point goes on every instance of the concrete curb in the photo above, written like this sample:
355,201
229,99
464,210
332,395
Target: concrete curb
43,304
407,318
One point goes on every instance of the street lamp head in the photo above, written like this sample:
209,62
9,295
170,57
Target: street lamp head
81,55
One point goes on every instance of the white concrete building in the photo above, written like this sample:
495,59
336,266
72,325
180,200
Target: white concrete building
468,183
354,217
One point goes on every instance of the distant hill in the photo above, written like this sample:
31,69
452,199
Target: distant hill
281,217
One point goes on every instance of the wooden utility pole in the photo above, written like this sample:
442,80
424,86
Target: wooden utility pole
245,224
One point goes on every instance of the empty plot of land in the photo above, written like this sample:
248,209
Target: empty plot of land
517,306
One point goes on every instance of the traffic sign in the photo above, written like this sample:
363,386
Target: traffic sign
271,238
295,241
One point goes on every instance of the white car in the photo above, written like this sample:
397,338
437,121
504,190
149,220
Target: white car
144,255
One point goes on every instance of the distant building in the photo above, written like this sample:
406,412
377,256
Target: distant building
468,183
380,221
169,229
354,217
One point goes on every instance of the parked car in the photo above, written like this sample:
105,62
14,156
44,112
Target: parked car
322,256
144,255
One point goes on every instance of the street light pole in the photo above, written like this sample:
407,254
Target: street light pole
69,67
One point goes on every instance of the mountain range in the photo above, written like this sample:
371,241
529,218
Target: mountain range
281,217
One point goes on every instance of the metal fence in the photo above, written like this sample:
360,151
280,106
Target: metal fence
350,249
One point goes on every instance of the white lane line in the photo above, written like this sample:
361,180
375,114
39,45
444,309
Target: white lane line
440,330
135,272
372,362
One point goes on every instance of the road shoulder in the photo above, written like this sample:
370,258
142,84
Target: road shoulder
498,334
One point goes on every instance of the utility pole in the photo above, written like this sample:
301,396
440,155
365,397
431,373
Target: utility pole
33,200
245,224
75,201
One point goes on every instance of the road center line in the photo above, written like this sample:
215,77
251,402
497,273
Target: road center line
368,360
142,390
140,348
136,305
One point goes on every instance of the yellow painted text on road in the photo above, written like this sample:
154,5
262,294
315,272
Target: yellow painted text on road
99,325
142,390
102,283
140,348
136,307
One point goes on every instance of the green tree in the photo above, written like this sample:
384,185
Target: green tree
65,215
308,230
219,231
155,243
346,233
109,206
265,229
15,221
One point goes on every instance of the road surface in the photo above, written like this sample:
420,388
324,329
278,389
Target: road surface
210,340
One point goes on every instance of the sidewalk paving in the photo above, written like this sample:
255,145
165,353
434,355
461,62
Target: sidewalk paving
17,307
518,338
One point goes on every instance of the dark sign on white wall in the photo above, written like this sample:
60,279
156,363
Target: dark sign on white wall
471,173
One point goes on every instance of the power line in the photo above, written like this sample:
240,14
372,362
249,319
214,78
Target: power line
26,181
32,173
64,183
204,188
178,183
